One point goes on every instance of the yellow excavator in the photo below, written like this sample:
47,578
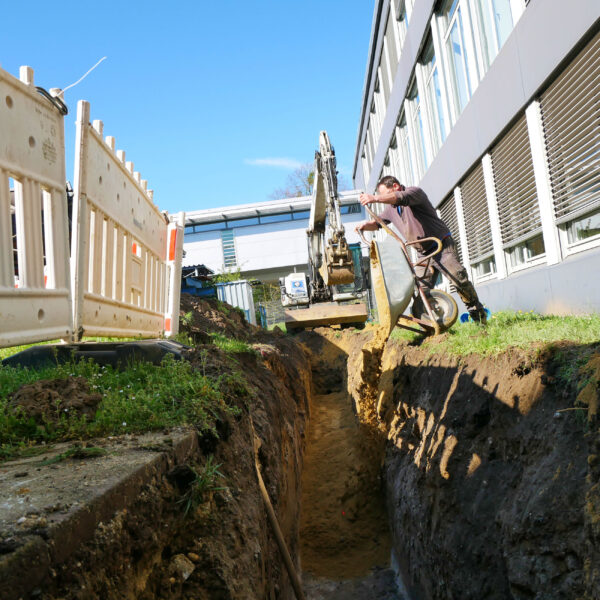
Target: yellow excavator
315,299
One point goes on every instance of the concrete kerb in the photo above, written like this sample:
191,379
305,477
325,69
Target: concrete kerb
27,568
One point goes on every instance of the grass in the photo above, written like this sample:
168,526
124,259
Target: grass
230,345
204,481
506,329
144,397
76,452
280,324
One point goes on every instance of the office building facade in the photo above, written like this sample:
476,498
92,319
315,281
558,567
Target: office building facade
493,108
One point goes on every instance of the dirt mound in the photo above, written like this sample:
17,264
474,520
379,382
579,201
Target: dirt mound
200,317
214,540
45,401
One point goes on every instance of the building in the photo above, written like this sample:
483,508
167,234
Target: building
493,107
264,240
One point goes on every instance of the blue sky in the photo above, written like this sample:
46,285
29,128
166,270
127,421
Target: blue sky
213,101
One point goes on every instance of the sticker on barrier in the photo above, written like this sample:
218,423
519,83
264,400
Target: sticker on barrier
35,301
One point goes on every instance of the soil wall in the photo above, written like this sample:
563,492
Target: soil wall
152,543
492,487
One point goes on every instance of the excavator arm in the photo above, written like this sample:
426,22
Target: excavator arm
329,257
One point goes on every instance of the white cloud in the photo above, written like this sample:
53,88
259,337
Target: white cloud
281,163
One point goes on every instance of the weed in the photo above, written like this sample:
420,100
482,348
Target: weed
204,481
187,319
76,452
230,345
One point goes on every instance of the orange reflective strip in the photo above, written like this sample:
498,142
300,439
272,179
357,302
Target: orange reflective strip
172,243
168,324
134,248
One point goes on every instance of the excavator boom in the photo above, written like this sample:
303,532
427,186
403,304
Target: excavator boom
330,259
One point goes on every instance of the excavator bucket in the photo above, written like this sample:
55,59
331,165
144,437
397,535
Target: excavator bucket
336,275
325,314
392,281
338,264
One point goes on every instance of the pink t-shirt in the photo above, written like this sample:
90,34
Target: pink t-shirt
414,217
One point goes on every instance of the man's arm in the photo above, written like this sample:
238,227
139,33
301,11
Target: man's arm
387,198
367,226
393,197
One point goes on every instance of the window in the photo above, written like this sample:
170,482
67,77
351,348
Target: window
477,223
495,22
275,218
456,46
350,209
526,252
516,194
570,109
401,19
406,159
384,73
435,110
448,215
228,242
300,215
365,166
242,222
418,129
584,228
391,48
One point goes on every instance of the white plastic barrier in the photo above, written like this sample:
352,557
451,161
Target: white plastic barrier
126,254
34,288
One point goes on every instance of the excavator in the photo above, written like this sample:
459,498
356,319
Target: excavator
316,297
327,294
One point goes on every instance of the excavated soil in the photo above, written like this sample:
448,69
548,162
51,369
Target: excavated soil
491,467
130,532
44,401
476,477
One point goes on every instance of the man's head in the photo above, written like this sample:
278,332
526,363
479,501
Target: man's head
389,184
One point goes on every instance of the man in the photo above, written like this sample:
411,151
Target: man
414,217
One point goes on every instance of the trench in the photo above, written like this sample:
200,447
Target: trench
478,476
345,541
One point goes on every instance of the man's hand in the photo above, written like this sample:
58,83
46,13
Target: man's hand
359,228
367,199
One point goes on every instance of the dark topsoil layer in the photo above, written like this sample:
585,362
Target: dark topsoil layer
146,541
491,466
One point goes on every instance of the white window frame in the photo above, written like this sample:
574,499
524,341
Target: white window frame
400,25
412,110
469,55
406,159
436,128
570,248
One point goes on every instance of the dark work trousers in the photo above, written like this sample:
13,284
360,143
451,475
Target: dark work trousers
448,263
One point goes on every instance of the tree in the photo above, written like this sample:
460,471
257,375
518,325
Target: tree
300,183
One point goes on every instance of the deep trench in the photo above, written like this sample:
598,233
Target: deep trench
491,486
490,470
345,541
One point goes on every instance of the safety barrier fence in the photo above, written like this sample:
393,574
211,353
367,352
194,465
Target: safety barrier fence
122,277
